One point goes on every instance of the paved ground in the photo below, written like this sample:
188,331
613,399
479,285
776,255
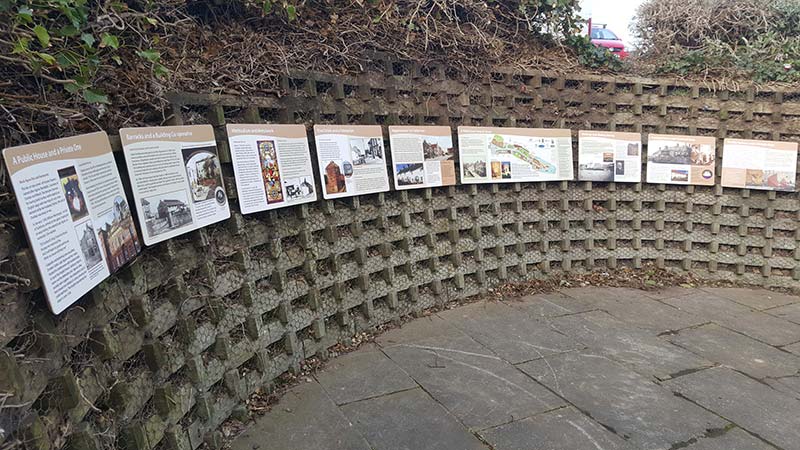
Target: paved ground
587,368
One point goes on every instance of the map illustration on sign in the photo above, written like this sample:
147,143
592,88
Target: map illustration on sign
75,213
492,155
765,165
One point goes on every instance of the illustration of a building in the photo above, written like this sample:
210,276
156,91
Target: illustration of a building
334,179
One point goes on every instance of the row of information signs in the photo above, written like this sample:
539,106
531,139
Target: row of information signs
81,229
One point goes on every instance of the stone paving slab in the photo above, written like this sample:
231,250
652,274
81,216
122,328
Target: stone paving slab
635,308
564,428
751,405
643,352
733,439
732,349
648,415
668,292
793,348
344,379
305,418
476,386
787,312
510,335
409,420
758,299
757,325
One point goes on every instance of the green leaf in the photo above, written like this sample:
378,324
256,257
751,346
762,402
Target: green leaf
71,87
291,12
266,5
48,59
151,21
150,55
88,39
21,47
117,60
42,34
109,40
160,70
68,31
25,14
95,97
5,5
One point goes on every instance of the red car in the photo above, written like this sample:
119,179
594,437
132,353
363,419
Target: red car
603,37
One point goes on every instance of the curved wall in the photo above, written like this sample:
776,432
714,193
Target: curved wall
161,355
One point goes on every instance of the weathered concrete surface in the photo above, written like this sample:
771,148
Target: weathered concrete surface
586,368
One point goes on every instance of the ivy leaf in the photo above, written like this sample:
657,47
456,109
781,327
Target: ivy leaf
48,59
150,55
266,5
71,87
291,12
109,40
42,34
88,39
95,97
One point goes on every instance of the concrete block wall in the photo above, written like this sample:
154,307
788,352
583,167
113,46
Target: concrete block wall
159,356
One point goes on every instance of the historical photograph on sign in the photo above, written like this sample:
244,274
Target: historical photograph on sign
755,164
437,148
366,151
88,244
594,171
473,168
203,171
166,212
270,171
410,174
117,235
673,159
73,193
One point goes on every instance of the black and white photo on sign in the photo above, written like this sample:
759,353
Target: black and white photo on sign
204,172
410,174
473,167
671,153
366,150
437,148
88,244
596,171
297,188
166,212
